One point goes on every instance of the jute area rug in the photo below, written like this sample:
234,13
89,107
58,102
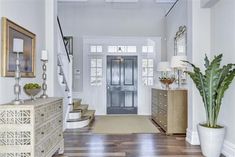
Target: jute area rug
123,124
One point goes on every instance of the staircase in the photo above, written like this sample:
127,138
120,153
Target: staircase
77,115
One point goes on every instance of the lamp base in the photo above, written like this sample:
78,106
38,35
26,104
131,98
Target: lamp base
44,96
18,102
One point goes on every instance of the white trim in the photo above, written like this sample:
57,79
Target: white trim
192,137
228,149
165,1
121,1
78,124
72,0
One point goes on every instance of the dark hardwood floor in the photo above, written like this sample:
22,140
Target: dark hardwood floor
82,143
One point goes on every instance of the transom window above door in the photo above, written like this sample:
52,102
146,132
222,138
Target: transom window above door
120,49
147,49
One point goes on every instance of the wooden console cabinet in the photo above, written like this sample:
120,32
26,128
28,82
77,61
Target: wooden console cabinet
169,110
32,129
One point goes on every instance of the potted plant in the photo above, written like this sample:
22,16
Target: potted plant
212,85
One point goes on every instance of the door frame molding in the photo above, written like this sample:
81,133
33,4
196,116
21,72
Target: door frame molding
99,93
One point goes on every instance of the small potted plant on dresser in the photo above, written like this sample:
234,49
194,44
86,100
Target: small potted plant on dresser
212,85
32,89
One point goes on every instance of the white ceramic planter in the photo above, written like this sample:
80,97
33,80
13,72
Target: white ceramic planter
211,140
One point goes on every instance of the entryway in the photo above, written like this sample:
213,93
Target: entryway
122,84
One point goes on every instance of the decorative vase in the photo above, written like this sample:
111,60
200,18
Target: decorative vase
211,140
32,92
167,82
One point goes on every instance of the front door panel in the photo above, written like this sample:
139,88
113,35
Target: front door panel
121,84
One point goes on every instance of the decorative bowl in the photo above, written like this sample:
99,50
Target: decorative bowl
167,82
32,92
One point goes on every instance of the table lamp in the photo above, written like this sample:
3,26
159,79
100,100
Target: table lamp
178,64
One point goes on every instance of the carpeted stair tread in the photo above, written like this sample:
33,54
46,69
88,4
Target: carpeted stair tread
83,118
81,107
76,103
89,113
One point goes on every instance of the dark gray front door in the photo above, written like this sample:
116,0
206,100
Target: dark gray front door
121,84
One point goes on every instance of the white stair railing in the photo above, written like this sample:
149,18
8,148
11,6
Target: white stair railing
65,68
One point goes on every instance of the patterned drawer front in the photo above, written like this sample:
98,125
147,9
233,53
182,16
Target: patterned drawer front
15,116
21,154
48,128
46,112
49,143
162,118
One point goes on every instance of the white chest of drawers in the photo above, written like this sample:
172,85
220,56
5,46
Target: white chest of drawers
32,129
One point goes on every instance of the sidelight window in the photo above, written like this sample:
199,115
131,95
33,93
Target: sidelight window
147,71
96,72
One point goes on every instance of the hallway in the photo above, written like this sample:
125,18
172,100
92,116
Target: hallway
84,143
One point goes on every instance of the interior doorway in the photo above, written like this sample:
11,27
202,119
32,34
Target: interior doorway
121,84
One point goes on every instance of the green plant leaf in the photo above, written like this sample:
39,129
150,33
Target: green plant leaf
207,62
212,85
224,85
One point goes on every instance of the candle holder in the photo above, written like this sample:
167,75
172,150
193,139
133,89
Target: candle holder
44,77
17,87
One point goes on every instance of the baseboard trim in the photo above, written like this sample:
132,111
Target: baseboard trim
228,149
192,137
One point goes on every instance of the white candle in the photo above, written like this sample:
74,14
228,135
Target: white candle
44,55
18,45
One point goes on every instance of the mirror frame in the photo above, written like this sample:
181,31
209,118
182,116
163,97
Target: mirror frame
181,33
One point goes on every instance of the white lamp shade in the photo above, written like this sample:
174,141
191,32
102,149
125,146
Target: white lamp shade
177,62
44,55
18,45
163,66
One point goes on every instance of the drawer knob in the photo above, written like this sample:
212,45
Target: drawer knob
59,121
42,133
42,114
59,106
42,151
60,135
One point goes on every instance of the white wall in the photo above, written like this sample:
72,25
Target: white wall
210,31
223,41
177,17
197,20
31,15
107,19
